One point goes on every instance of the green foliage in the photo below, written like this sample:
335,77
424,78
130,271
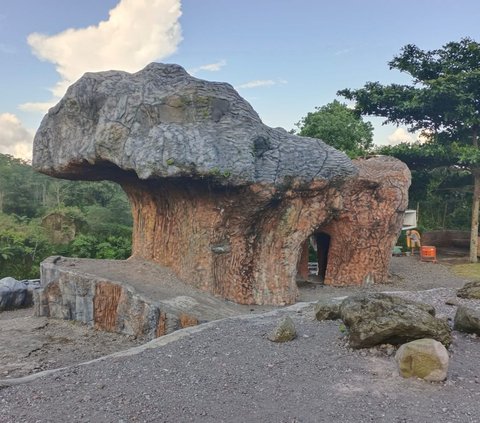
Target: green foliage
22,246
100,210
443,100
338,126
444,97
441,182
111,247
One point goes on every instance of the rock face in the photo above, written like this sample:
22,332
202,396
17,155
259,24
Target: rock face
467,320
470,290
374,319
223,200
284,332
423,358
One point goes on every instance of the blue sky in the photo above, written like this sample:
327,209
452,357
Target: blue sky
284,57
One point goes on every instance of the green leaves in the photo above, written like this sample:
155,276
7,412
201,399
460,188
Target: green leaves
434,155
444,95
338,126
22,246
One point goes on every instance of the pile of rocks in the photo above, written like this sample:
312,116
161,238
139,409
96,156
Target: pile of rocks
374,319
17,294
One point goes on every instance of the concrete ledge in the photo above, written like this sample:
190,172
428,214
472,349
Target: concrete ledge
130,297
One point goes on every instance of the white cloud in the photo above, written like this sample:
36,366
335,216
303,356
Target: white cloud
136,33
15,139
211,67
37,107
262,83
400,135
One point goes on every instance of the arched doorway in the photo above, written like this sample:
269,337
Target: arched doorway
313,258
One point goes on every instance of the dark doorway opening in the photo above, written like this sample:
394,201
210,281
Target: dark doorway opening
313,259
323,244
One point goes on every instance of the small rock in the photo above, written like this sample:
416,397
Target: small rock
423,358
470,290
467,320
452,302
284,332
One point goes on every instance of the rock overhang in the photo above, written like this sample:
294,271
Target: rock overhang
224,201
163,123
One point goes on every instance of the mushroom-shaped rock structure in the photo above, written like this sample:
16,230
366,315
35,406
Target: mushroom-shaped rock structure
223,200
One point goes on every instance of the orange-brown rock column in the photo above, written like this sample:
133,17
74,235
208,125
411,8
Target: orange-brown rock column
244,243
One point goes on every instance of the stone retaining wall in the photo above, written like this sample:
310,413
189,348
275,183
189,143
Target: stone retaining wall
104,304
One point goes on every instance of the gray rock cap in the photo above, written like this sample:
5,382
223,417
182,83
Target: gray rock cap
162,122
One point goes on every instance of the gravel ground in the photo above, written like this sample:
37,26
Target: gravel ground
227,371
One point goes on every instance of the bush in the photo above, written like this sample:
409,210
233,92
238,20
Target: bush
23,245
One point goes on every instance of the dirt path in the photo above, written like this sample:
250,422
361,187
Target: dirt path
29,345
227,371
241,369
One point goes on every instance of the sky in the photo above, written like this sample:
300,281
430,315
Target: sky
285,57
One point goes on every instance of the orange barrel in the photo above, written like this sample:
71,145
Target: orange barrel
428,252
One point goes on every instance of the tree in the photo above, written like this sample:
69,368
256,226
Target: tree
338,126
440,183
443,100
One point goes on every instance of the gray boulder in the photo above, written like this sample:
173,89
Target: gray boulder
470,290
374,319
424,358
13,294
467,320
284,332
327,310
162,122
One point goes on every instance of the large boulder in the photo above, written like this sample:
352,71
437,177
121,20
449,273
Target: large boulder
467,320
374,319
470,290
424,358
13,294
223,200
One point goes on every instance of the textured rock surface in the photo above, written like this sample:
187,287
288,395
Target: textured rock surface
223,200
327,310
131,297
467,320
423,358
162,122
470,290
284,332
100,303
374,319
13,294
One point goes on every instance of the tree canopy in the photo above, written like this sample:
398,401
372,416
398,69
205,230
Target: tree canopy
338,126
444,95
443,99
